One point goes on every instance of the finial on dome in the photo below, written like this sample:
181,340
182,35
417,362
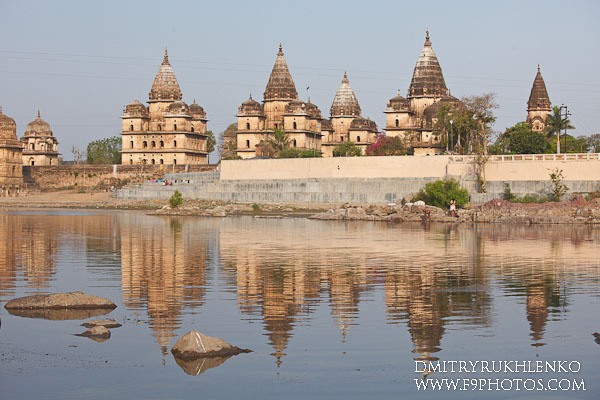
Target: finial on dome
166,58
280,50
427,41
250,96
538,67
38,117
0,109
309,99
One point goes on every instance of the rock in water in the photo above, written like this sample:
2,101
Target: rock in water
194,345
107,323
200,365
70,300
59,314
96,332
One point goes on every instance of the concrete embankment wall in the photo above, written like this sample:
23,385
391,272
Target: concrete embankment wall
369,179
57,176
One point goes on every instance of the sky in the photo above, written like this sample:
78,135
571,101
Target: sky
80,62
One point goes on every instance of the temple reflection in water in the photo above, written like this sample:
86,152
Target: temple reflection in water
282,271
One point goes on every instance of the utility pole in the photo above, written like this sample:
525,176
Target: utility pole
567,113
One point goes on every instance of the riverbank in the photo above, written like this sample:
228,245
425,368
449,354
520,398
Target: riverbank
576,211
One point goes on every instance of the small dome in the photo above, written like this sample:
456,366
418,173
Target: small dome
8,127
135,109
38,127
326,125
312,109
398,103
431,112
178,108
196,111
296,107
366,124
251,107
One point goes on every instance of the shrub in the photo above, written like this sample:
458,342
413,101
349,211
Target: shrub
530,198
292,152
81,190
347,149
176,200
508,194
557,181
76,174
388,146
439,193
255,207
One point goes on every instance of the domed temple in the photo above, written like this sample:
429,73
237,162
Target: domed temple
347,124
538,106
11,162
40,147
167,131
281,109
413,118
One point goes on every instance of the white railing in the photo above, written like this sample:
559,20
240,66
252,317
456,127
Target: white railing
531,157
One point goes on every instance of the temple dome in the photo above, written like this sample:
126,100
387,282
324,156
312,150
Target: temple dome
38,127
296,107
8,127
135,109
361,123
280,85
165,86
313,110
427,80
196,110
431,112
538,98
178,108
251,107
345,102
398,103
326,125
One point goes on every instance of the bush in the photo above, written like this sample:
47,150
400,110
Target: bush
388,146
530,198
176,200
508,194
255,207
347,149
81,190
560,188
292,152
439,193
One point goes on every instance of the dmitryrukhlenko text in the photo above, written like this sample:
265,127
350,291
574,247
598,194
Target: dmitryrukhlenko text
471,367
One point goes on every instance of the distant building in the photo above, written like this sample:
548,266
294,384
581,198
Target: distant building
39,146
347,124
168,131
538,106
11,161
281,109
413,118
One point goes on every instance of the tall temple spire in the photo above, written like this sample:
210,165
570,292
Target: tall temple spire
165,85
427,80
345,102
538,98
280,85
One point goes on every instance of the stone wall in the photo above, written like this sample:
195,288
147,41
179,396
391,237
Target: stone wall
61,176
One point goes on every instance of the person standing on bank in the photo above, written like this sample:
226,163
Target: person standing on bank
453,208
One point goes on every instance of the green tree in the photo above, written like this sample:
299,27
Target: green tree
555,123
228,143
441,192
279,141
347,149
104,151
292,152
210,144
593,143
523,140
176,199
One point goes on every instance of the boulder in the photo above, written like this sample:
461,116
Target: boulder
107,323
194,345
70,300
59,314
96,332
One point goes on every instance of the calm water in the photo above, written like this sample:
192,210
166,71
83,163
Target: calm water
331,309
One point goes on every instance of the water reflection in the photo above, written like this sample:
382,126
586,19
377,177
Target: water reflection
280,272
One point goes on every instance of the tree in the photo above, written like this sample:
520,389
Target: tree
227,142
555,123
104,151
78,155
292,152
593,143
441,192
210,144
346,149
523,140
279,141
387,146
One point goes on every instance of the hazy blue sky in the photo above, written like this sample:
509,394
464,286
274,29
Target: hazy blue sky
81,62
